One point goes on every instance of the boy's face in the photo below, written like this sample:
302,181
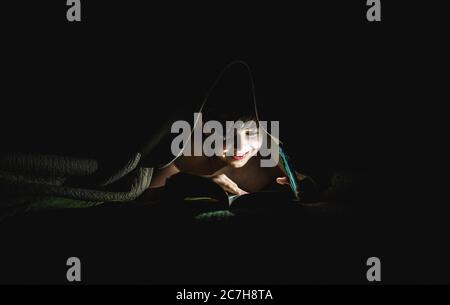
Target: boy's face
246,144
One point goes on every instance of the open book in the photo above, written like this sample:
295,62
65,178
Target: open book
264,199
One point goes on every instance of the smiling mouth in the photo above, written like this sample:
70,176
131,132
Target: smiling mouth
240,157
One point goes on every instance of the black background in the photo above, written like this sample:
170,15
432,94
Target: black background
351,89
340,82
350,94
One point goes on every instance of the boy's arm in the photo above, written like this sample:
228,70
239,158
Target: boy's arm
159,179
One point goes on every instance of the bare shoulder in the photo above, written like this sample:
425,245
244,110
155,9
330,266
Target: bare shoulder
160,176
196,165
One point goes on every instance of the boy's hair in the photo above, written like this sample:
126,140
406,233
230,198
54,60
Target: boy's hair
223,117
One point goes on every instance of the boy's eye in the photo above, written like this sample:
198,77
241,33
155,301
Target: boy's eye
251,133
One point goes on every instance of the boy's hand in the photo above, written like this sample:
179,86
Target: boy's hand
227,184
285,180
